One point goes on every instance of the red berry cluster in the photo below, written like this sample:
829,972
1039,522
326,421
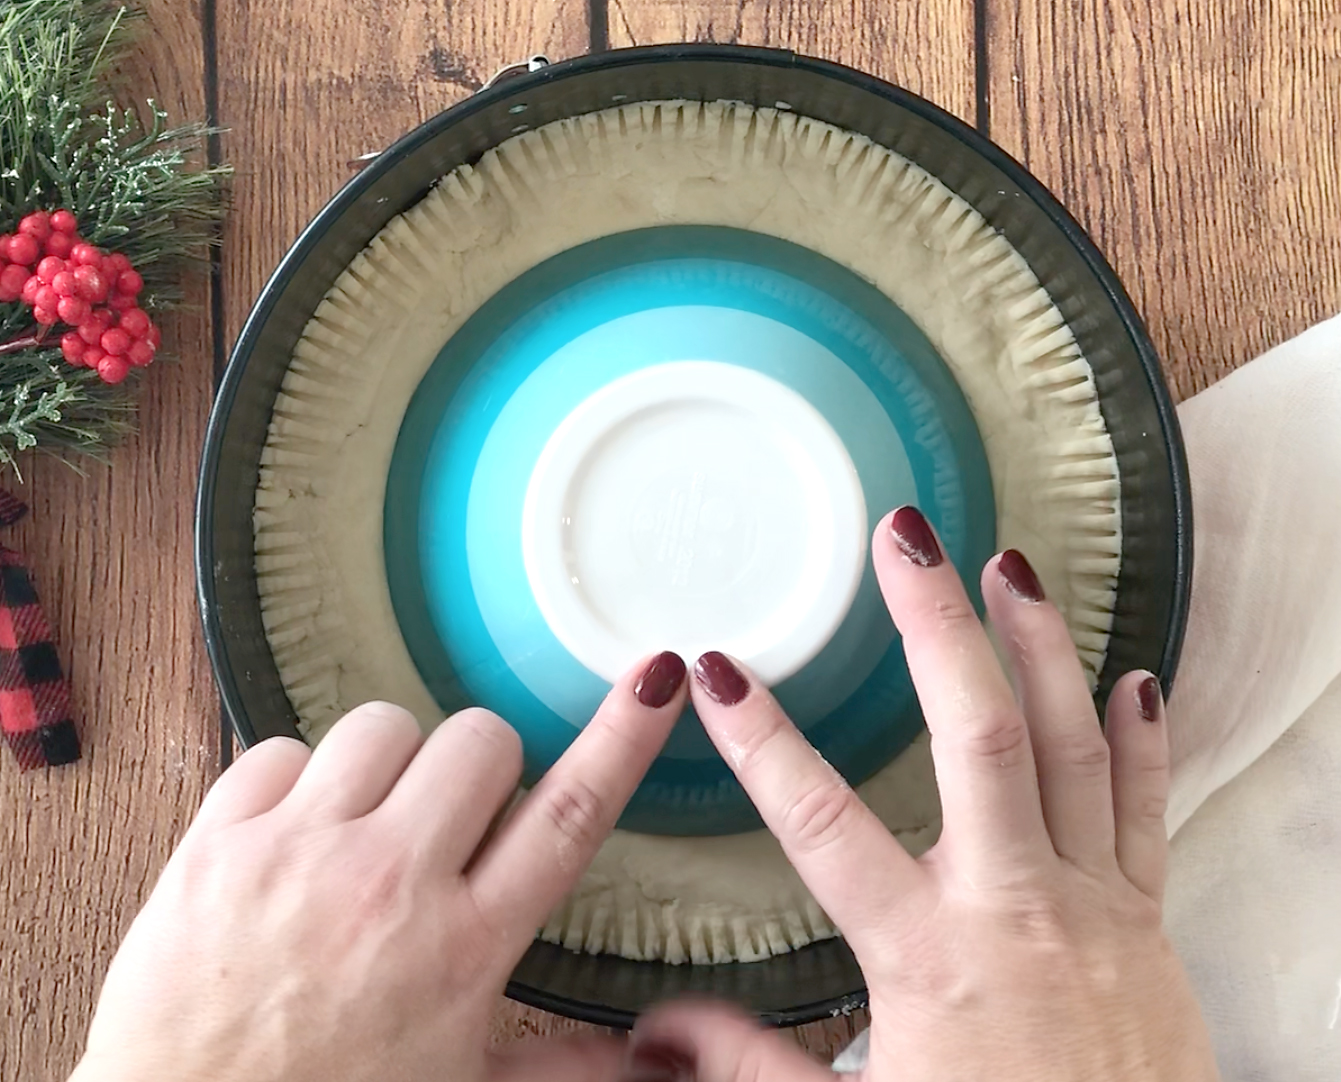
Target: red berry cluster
48,265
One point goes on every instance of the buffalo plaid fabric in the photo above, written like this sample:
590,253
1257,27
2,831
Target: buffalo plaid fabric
34,697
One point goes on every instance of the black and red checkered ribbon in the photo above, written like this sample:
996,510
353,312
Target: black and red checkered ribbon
34,697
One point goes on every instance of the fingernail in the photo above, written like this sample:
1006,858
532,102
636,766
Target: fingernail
652,1061
1149,699
720,679
660,680
915,537
1019,577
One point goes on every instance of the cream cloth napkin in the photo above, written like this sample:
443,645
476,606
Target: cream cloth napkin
1254,896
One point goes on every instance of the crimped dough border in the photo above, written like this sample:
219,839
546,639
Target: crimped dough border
318,525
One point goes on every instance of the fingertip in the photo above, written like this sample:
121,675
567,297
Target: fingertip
1137,695
380,712
358,762
257,780
274,747
724,680
906,536
1150,699
660,680
1019,578
496,731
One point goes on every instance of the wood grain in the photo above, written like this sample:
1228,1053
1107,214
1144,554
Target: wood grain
80,846
1197,143
307,85
924,45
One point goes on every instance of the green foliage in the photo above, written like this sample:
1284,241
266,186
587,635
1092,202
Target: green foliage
136,185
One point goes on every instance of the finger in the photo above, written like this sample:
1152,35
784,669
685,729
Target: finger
357,762
709,1043
258,780
849,860
572,1059
1070,752
541,851
984,762
453,789
1138,734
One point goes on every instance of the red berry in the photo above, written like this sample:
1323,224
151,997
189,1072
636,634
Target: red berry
12,279
63,221
92,356
116,263
60,245
122,302
65,283
23,250
46,316
129,281
28,294
46,297
154,337
5,238
91,330
115,341
140,353
134,322
91,284
113,369
49,268
86,255
73,310
73,347
36,225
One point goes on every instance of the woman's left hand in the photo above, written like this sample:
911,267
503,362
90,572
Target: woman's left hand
352,912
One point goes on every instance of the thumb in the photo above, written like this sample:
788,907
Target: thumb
570,1059
712,1043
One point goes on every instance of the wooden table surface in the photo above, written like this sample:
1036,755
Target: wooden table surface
1197,143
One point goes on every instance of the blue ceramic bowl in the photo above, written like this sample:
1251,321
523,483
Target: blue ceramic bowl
542,346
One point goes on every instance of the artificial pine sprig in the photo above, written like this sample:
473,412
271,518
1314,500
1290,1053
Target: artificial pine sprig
135,184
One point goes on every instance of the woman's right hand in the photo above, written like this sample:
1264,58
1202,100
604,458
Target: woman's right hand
1027,944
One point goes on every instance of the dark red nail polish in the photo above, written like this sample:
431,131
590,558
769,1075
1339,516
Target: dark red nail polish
1019,576
720,679
915,537
652,1061
1149,699
660,680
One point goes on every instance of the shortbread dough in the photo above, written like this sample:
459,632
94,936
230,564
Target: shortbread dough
318,521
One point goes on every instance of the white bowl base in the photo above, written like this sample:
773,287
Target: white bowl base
694,506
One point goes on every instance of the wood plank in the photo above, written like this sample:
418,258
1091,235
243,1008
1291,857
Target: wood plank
307,85
1197,143
80,846
926,46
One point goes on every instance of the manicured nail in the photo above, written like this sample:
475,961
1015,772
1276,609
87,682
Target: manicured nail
652,1061
1149,699
720,679
1019,577
915,537
660,680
